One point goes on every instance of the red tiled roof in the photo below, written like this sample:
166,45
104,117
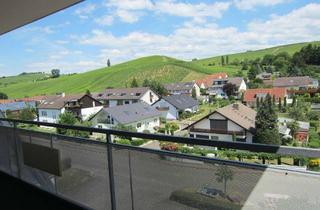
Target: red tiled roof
208,80
250,94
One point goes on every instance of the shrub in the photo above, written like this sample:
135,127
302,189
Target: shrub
138,142
169,147
123,141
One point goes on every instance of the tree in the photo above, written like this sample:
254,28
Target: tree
155,86
108,62
3,96
66,118
294,127
266,123
222,61
171,128
134,83
267,59
55,73
279,104
273,99
88,92
227,59
224,174
122,127
27,114
194,93
229,89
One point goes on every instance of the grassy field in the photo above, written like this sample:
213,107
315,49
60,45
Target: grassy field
22,78
161,68
251,55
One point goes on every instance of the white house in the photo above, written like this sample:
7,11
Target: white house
235,122
183,88
217,87
172,106
121,96
82,106
140,116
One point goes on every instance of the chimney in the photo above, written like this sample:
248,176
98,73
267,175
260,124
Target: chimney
235,106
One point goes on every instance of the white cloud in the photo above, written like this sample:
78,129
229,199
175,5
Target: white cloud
130,4
203,40
251,4
172,7
85,11
131,10
105,20
128,16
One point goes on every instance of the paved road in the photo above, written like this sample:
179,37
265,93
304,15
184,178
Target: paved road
155,178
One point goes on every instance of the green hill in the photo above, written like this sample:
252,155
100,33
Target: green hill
161,68
251,55
21,78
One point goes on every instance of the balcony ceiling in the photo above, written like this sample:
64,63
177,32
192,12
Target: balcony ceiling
16,13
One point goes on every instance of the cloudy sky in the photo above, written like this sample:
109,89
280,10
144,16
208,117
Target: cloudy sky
84,36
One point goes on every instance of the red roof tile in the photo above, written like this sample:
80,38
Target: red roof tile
250,94
208,80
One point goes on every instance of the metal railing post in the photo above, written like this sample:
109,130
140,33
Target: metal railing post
18,157
131,184
111,175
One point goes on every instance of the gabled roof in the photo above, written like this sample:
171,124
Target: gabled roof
292,81
236,81
181,102
240,114
179,86
58,102
122,93
130,113
208,80
251,94
237,113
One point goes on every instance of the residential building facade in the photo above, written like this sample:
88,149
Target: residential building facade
122,96
140,116
82,106
172,106
183,88
296,83
251,95
235,122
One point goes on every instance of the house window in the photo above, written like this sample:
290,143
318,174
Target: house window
119,102
240,139
219,124
44,113
99,126
202,136
54,116
191,135
215,138
139,125
126,102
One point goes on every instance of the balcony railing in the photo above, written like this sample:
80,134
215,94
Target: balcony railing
218,131
106,175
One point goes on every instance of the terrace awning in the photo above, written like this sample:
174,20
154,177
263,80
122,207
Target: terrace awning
16,13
